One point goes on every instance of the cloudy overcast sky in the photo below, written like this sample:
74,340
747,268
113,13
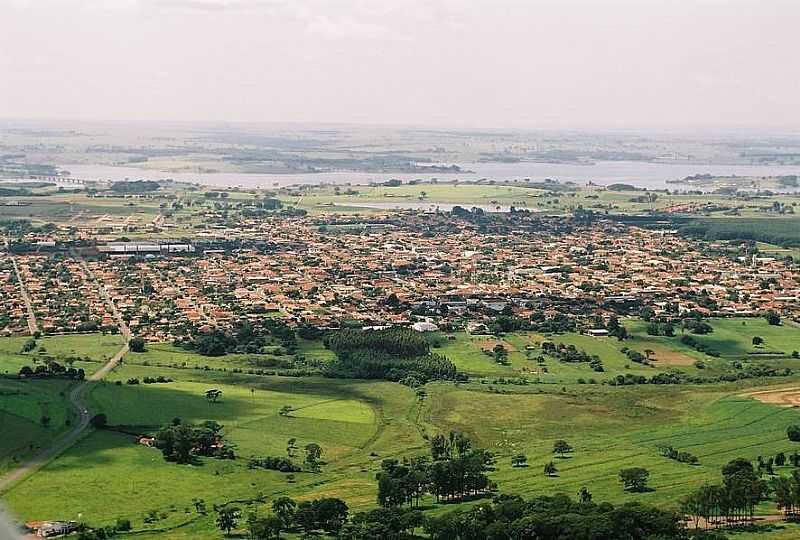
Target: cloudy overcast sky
493,63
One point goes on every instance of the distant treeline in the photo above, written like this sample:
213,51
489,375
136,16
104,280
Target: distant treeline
138,186
780,231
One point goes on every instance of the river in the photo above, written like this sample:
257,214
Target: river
642,174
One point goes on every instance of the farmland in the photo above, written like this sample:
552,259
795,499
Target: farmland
107,475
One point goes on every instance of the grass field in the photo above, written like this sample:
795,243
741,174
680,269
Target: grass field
23,404
613,428
359,423
732,338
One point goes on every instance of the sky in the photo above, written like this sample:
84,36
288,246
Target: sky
439,63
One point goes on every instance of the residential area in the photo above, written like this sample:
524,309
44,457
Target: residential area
334,271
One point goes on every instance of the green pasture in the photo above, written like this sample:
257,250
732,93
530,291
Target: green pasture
359,423
356,423
97,348
23,405
614,428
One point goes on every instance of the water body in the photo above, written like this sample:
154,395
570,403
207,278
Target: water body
430,207
638,173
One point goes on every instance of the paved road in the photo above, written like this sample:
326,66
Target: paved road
76,398
123,327
32,326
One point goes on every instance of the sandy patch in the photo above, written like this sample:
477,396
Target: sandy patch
667,357
489,344
788,397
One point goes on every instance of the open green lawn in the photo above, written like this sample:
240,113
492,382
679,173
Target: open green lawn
23,405
349,419
359,423
732,338
96,348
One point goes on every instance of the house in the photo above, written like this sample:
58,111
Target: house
598,332
49,529
424,327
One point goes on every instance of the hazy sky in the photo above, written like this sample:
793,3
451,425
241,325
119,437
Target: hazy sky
498,63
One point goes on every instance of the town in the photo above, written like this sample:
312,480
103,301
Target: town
397,269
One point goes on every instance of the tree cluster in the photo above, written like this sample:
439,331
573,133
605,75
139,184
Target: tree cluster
684,457
734,501
182,443
52,369
555,518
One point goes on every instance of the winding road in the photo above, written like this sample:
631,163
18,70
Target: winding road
76,397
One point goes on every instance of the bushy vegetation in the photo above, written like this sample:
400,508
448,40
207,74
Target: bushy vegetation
571,354
275,463
457,470
138,186
51,369
733,501
243,337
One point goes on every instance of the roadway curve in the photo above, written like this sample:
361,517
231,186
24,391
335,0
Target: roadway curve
77,399
76,396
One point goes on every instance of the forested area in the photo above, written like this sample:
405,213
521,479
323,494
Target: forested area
395,354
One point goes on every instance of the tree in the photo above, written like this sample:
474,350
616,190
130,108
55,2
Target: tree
519,460
634,478
272,527
313,454
550,469
284,508
267,528
99,421
561,447
331,514
29,345
793,433
137,344
780,459
584,496
757,340
291,447
227,518
213,395
737,466
772,318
